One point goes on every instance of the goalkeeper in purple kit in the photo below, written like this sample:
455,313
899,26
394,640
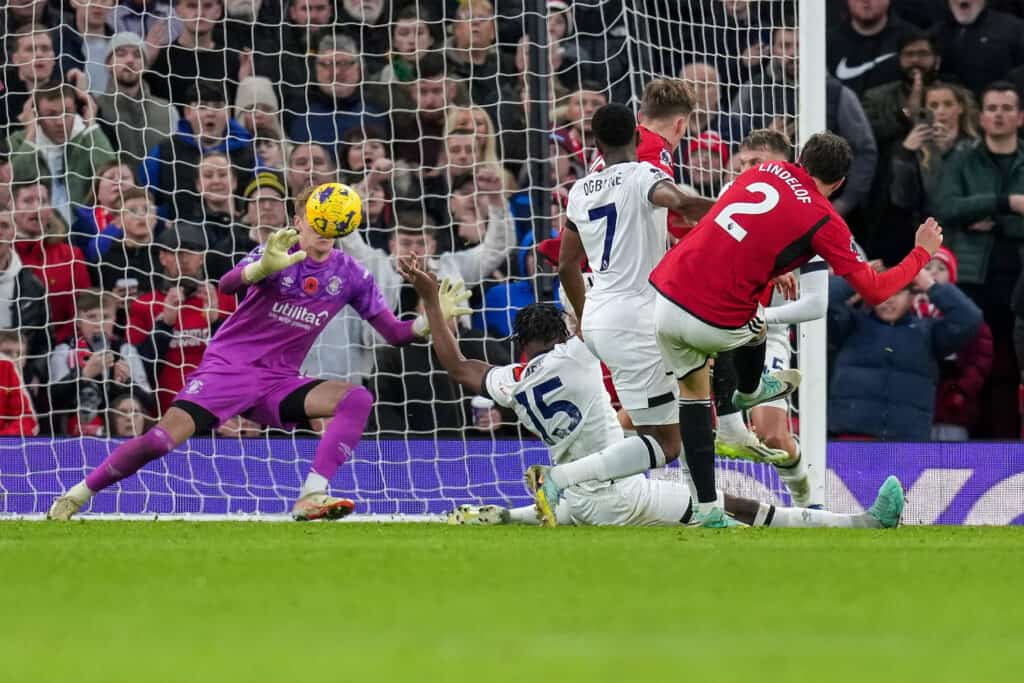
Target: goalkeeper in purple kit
251,366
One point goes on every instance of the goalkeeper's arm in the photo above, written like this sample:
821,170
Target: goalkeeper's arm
440,304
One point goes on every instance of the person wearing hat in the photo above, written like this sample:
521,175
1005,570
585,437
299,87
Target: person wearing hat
707,159
135,120
962,374
171,324
266,206
256,105
884,381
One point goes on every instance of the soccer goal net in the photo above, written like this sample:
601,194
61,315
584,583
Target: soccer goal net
151,146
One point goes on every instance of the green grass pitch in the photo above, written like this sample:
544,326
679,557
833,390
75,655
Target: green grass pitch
266,603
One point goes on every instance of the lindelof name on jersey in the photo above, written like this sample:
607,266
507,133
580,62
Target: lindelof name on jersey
592,185
801,193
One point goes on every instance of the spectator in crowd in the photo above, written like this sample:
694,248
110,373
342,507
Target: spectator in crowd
893,109
475,193
133,119
42,245
707,162
335,100
92,218
410,39
703,78
475,119
561,37
770,99
129,416
22,295
885,375
358,150
198,55
734,35
513,111
17,14
579,107
472,50
862,51
171,325
415,234
84,44
151,20
219,216
979,45
60,145
310,165
948,126
288,64
271,148
6,176
256,105
366,22
418,132
92,366
266,209
962,374
981,205
32,63
17,414
170,169
124,254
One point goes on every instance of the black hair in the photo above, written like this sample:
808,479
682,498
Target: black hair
206,92
614,125
431,65
916,35
826,156
540,323
998,86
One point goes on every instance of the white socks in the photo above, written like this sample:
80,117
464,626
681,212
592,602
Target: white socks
634,455
315,483
524,515
80,493
795,478
803,518
731,427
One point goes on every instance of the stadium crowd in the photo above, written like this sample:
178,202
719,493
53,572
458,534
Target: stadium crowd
149,145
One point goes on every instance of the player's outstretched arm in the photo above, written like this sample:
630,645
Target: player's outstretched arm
442,302
570,269
812,302
875,287
667,194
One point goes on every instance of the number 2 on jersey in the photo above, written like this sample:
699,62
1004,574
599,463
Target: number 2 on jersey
725,216
609,213
548,410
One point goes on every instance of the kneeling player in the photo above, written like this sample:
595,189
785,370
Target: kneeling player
251,366
559,396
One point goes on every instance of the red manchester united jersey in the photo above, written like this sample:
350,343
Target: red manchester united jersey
770,221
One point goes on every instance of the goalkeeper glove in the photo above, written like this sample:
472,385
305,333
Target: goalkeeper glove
451,297
275,257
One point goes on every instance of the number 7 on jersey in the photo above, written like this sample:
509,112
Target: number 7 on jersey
611,216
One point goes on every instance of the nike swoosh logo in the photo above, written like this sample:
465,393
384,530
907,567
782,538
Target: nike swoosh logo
845,73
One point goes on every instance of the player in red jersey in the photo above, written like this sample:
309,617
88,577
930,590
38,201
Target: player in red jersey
774,218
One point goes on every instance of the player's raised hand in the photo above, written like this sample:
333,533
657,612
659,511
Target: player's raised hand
275,257
787,286
929,236
453,297
412,268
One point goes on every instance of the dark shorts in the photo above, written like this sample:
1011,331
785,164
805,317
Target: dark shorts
270,398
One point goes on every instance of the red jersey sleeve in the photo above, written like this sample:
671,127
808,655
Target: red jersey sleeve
834,243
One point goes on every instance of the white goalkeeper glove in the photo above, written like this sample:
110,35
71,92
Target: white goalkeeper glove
451,297
275,257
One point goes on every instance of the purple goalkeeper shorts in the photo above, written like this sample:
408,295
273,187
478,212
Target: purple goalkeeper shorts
255,393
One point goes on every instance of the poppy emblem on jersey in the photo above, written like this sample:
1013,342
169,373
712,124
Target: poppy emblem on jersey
310,285
194,387
334,285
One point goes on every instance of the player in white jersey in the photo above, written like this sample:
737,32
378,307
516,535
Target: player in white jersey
617,220
559,395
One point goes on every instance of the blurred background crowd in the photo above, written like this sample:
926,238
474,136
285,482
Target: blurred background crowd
148,145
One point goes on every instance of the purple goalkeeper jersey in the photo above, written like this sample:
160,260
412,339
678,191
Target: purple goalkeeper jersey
283,314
